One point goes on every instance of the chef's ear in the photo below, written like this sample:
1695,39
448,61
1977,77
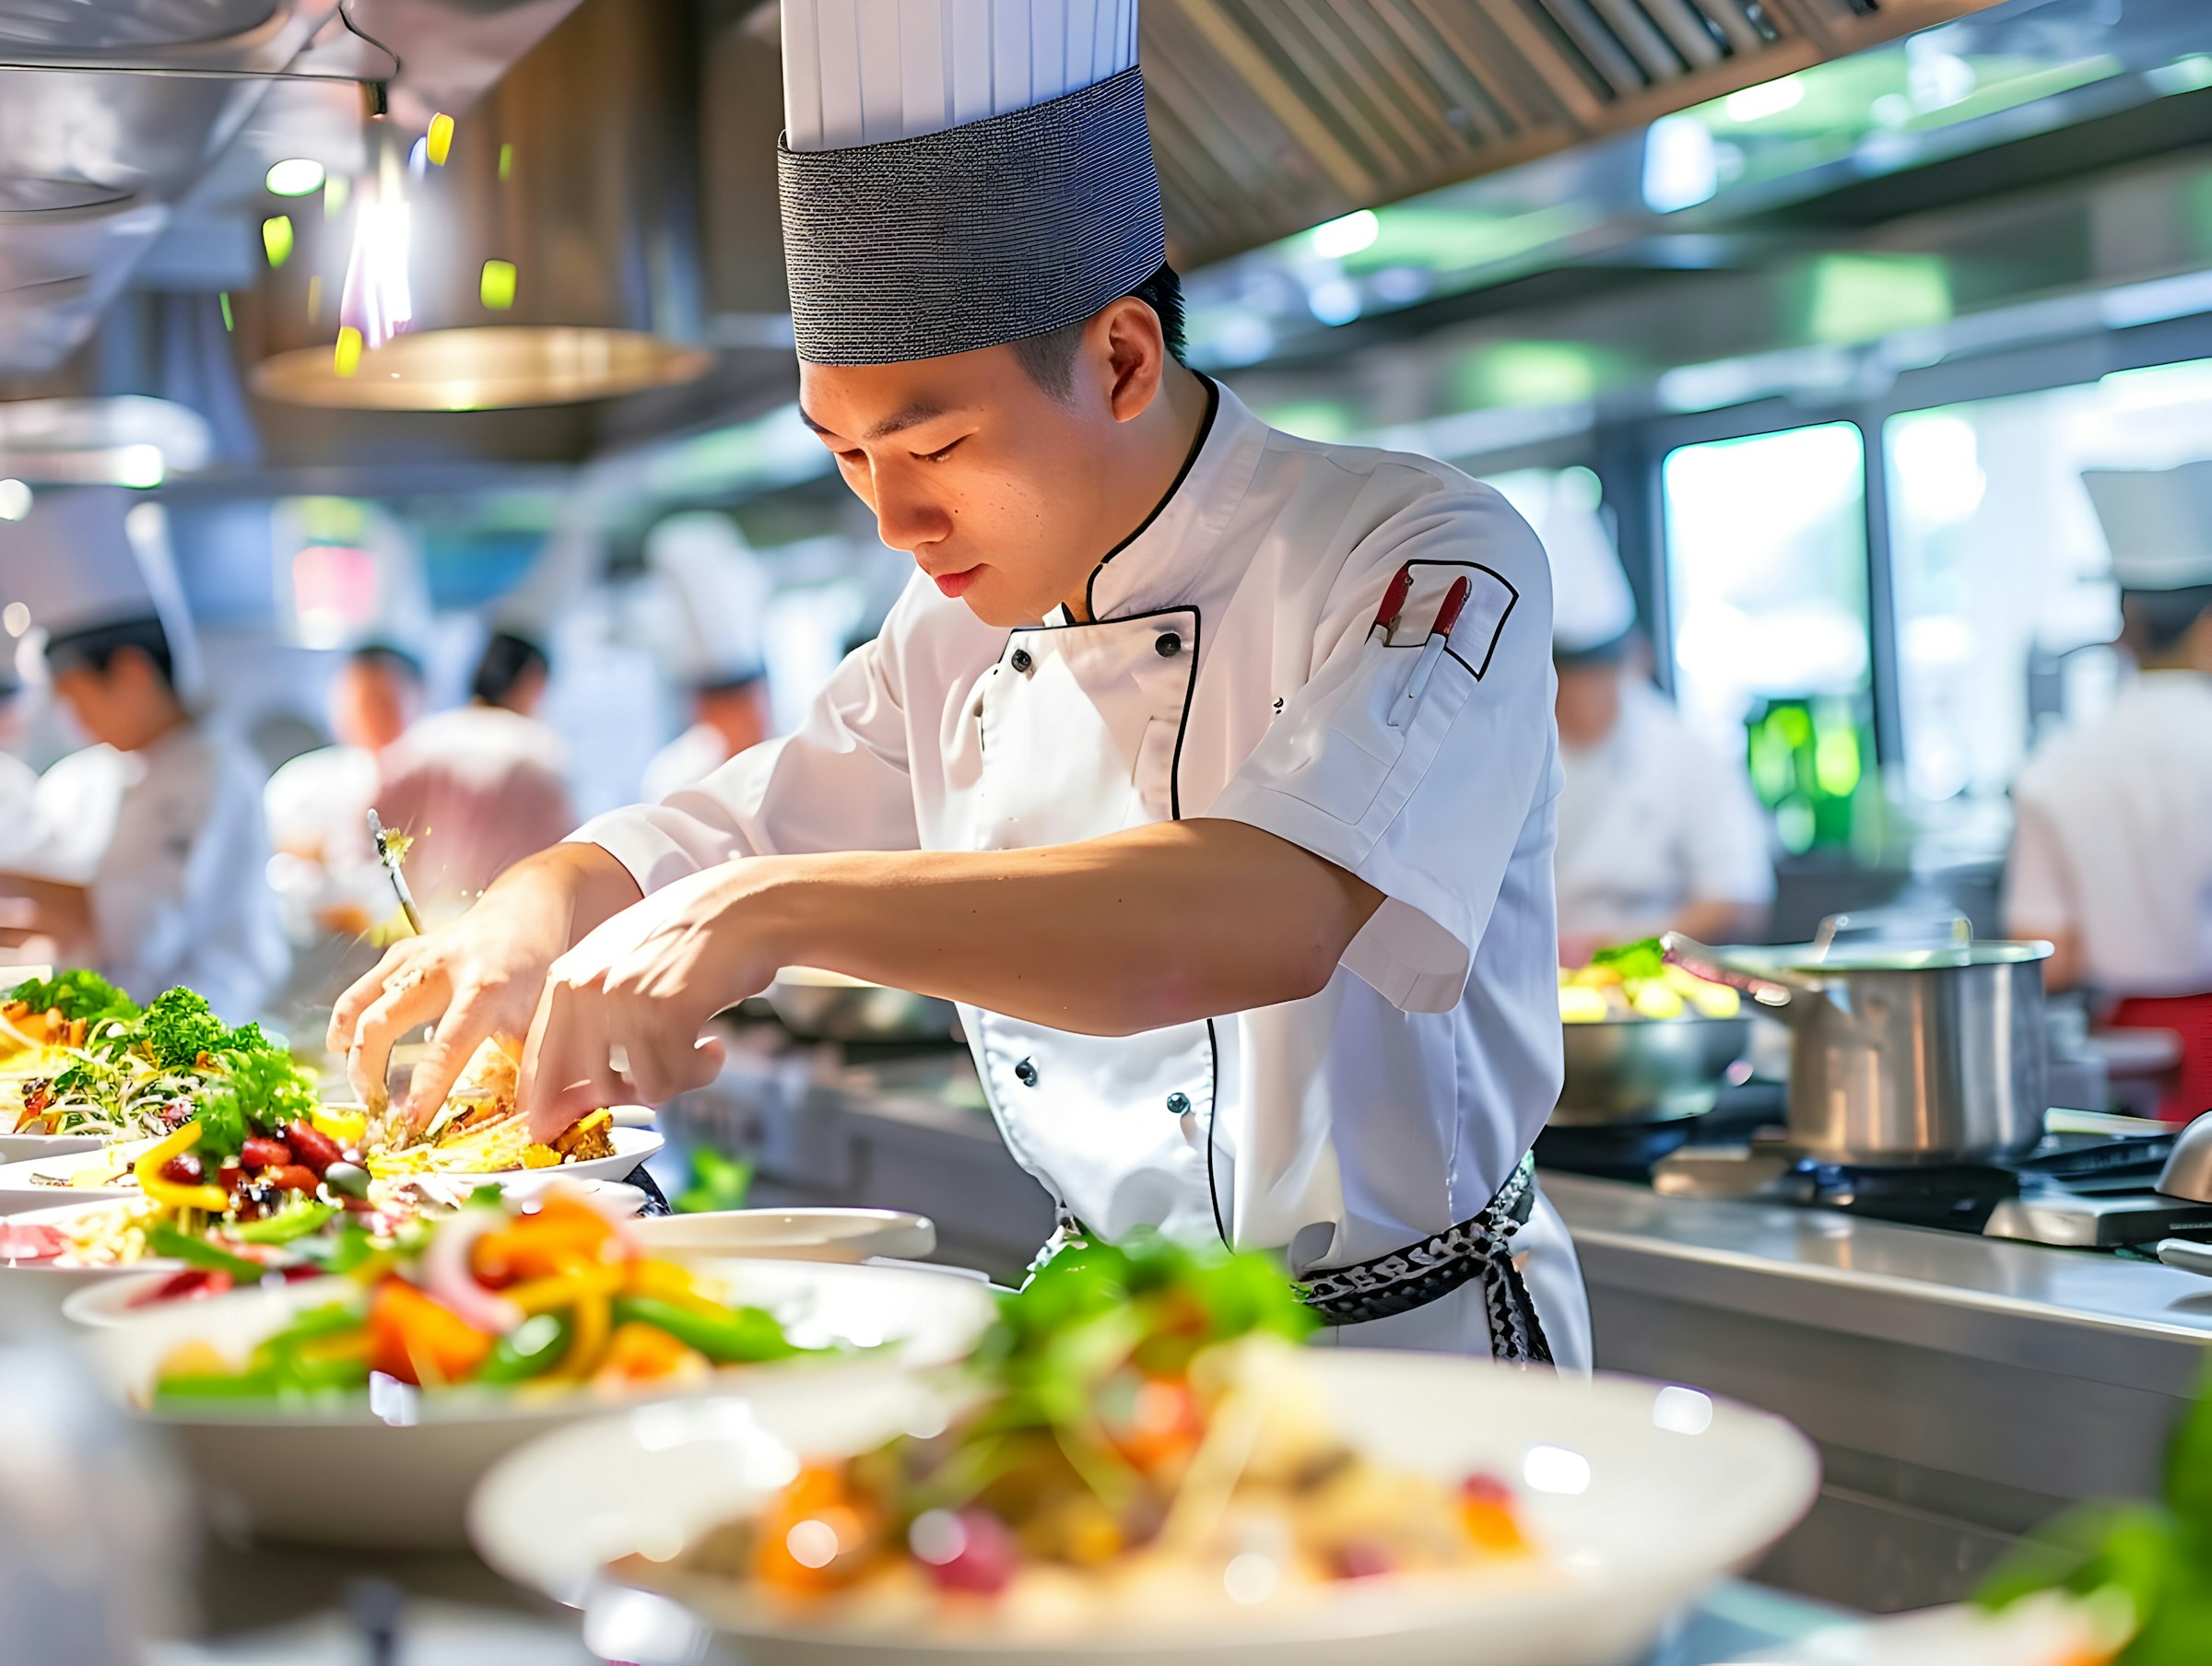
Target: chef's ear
1134,354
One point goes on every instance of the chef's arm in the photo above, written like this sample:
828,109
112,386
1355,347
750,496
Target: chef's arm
1154,926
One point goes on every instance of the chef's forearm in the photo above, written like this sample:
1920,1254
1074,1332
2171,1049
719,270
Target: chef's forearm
1158,925
583,879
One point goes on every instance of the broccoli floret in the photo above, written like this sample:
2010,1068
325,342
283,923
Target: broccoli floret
180,1026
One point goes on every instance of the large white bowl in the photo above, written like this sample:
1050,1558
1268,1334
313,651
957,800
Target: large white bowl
400,1476
1640,1495
20,1191
793,1235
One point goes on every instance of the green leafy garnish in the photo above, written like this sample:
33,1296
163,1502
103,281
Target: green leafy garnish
2158,1556
263,1088
76,993
163,1238
1634,961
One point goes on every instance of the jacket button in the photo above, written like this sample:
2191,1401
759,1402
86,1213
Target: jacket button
1179,1103
1025,1074
1021,660
1167,645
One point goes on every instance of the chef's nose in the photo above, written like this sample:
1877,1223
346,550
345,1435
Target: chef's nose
907,518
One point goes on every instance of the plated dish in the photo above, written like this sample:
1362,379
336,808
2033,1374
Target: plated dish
1138,1465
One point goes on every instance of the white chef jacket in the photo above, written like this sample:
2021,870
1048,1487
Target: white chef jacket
1229,672
22,826
686,761
2114,841
1652,819
170,842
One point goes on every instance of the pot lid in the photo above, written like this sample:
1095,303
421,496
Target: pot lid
1890,958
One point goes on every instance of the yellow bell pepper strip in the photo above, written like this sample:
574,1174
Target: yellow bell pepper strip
589,1322
665,1281
348,1127
576,1281
167,1193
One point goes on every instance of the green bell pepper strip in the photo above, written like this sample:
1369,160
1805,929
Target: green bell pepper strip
165,1239
745,1336
531,1349
295,1221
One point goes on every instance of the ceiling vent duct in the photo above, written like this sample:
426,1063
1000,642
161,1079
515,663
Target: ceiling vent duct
550,252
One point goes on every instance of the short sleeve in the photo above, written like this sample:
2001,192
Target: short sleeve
839,782
1422,784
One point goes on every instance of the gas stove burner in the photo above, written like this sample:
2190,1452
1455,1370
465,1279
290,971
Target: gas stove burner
1613,1151
1959,1198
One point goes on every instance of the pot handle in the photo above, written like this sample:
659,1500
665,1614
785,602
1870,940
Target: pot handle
1783,993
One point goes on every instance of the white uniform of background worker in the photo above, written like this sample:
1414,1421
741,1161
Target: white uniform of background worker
1657,831
716,593
2112,860
156,864
1246,900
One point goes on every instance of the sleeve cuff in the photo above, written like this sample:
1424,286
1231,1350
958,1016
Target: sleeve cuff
1416,949
655,857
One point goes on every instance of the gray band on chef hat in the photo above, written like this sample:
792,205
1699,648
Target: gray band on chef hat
973,236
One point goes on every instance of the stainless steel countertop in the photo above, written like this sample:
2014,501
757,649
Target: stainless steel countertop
2085,1313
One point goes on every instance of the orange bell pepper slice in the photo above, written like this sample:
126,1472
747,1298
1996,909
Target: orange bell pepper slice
421,1341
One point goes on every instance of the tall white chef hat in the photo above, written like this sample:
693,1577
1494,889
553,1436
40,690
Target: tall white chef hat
956,174
2157,523
719,593
1593,610
93,566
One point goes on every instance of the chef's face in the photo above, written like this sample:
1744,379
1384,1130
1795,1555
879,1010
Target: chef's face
1006,494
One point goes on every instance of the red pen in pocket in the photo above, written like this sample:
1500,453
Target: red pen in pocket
1394,603
1440,637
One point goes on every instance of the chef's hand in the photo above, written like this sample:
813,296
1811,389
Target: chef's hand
622,1014
480,975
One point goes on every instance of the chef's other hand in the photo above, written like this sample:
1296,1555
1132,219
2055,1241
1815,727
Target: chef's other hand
622,1014
480,975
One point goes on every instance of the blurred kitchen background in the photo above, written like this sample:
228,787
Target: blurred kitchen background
1824,306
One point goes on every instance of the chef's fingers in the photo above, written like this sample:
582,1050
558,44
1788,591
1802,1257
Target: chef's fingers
566,1068
469,1019
657,1072
417,995
364,991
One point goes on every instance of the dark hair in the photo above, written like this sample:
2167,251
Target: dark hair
2157,619
507,659
385,656
1050,358
95,649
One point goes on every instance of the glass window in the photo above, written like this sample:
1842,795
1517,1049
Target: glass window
2004,594
1766,573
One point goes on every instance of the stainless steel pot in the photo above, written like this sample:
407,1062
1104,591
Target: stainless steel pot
1901,1055
1646,1070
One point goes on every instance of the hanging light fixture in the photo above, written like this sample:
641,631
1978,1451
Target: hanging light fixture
536,248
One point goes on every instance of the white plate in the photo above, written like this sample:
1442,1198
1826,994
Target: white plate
2053,1629
795,1235
23,1148
1640,1495
101,1296
19,1190
348,1476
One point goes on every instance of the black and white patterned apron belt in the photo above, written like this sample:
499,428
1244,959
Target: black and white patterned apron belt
1478,1247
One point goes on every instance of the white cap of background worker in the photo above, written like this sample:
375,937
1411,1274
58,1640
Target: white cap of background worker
162,878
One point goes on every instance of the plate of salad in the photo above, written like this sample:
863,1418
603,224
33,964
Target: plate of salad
1140,1465
397,1378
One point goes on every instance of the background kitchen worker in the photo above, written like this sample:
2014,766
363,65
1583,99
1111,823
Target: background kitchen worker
482,786
717,594
2111,856
157,872
1657,831
1246,901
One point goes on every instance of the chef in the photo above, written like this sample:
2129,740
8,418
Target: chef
1209,770
155,868
2111,856
1658,832
717,594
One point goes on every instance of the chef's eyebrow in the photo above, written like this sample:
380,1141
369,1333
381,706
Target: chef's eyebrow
921,411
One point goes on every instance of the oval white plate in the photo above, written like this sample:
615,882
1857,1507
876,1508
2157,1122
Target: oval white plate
106,1295
396,1482
1640,1495
795,1235
2053,1629
19,1191
24,1147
